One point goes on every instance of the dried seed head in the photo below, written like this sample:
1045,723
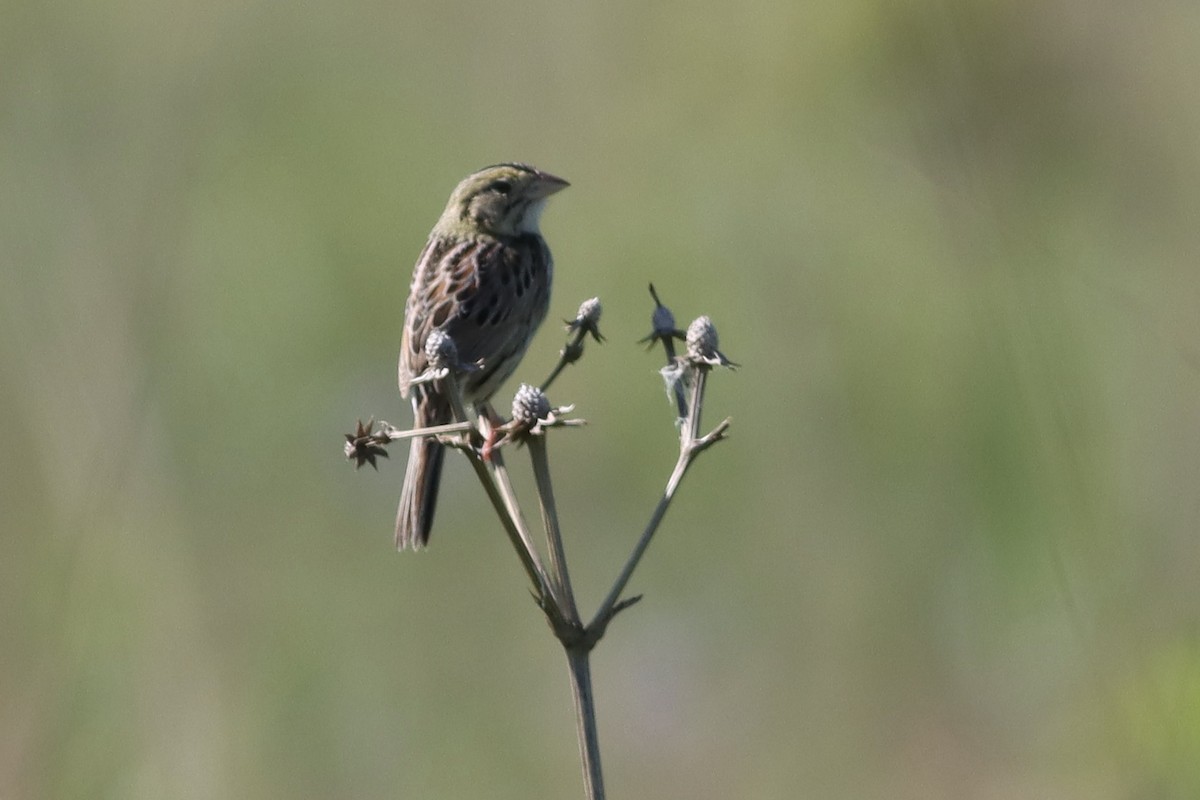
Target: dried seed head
587,321
365,445
441,350
702,340
532,415
530,405
663,321
702,345
589,312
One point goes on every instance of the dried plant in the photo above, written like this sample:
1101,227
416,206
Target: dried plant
483,443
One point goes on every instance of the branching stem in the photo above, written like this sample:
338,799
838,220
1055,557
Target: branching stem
554,544
475,436
690,447
504,500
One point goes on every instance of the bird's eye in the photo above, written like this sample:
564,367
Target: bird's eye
501,187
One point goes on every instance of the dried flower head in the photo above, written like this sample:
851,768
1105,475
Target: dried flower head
365,445
662,324
702,344
530,405
589,311
532,414
701,339
442,355
662,320
440,350
587,319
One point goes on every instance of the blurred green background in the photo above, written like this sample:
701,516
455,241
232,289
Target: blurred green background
949,552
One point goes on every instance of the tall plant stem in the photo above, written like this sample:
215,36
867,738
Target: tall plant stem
585,719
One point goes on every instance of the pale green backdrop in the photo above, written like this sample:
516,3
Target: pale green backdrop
950,550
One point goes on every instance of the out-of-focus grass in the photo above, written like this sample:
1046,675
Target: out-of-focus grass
949,551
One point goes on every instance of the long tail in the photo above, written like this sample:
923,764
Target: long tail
418,497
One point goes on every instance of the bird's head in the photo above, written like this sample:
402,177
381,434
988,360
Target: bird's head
502,200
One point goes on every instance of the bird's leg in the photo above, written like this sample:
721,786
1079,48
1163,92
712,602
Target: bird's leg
489,421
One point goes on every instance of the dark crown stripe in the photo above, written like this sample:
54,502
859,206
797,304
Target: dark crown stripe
513,164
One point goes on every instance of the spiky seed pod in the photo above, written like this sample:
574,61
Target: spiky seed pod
663,321
589,312
441,350
587,321
702,340
530,405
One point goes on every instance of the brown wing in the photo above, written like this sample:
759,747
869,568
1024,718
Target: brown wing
489,295
443,273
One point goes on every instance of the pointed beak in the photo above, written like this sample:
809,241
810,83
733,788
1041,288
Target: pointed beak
548,184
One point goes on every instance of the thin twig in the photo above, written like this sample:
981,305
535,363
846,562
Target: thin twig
494,478
690,447
433,430
604,613
569,355
554,543
505,502
586,322
696,402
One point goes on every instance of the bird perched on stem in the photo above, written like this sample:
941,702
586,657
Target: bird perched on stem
484,279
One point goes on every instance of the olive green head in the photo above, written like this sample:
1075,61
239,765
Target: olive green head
501,200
